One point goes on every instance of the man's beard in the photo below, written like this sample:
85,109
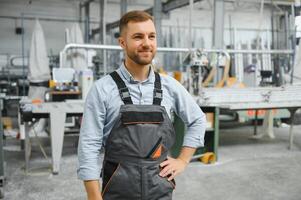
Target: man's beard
139,59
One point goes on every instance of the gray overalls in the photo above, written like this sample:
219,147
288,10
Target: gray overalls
137,144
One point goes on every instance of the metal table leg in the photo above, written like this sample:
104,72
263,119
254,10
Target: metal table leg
256,122
291,134
57,125
27,145
216,131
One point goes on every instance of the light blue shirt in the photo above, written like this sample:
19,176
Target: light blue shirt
102,109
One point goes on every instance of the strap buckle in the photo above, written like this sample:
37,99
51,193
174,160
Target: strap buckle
158,93
124,93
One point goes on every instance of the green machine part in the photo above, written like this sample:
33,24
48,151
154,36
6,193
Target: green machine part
211,136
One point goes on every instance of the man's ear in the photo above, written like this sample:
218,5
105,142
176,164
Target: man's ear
121,42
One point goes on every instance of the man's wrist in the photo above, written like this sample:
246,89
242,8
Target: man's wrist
184,160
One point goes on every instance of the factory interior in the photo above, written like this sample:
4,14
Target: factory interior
240,60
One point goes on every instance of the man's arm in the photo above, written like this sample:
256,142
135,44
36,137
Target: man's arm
186,154
195,120
93,190
176,166
90,143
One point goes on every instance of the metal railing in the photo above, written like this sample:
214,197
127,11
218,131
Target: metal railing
167,49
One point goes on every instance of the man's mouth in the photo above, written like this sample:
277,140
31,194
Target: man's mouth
145,53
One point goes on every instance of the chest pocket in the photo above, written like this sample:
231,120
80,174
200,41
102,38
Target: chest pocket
133,117
143,133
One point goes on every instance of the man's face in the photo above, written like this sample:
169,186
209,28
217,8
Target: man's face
139,41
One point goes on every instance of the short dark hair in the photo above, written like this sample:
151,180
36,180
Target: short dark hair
133,16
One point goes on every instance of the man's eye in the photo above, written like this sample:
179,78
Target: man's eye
137,37
152,37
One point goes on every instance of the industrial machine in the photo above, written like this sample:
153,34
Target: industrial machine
198,68
206,69
68,83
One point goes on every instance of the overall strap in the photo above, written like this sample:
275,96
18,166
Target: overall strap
157,90
123,90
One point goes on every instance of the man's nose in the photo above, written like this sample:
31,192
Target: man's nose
146,42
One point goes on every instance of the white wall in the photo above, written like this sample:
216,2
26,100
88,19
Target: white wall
54,30
176,22
245,20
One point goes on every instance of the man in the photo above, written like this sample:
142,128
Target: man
128,113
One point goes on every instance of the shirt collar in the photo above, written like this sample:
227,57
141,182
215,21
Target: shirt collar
128,76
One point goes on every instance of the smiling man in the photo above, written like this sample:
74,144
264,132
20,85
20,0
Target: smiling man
128,114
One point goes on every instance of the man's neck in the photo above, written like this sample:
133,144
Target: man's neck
139,72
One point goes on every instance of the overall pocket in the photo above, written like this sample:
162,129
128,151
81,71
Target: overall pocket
171,183
158,187
141,132
156,151
121,181
133,117
110,171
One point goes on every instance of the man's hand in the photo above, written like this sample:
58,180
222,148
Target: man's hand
172,167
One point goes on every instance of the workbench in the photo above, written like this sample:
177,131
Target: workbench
57,113
214,99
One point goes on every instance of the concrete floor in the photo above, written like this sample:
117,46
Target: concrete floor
247,169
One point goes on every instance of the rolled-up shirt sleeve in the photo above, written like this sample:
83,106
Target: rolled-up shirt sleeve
91,136
192,115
